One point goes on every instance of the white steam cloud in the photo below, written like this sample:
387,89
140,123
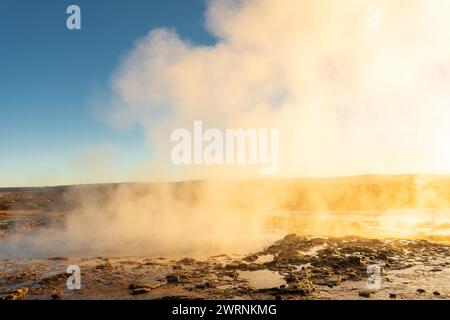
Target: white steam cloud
347,98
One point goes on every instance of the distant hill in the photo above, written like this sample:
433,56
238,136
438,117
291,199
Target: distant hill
342,193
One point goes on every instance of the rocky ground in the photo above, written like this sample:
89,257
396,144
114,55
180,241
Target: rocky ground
292,268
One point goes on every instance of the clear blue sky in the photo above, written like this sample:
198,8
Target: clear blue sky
49,76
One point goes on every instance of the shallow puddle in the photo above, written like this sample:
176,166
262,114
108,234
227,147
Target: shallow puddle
262,279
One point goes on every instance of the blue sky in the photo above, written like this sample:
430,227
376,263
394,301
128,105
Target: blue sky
50,75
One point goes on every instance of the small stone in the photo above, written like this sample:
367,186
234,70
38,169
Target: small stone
143,288
134,286
291,278
392,296
56,296
420,291
205,285
364,293
331,282
436,293
173,278
251,258
232,266
232,274
255,267
140,291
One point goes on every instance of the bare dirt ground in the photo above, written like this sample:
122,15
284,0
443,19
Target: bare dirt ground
293,267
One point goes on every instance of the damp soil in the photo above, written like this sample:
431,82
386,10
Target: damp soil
294,267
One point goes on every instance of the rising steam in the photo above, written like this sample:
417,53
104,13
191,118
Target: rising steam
347,99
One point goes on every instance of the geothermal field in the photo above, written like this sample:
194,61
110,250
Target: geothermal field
362,237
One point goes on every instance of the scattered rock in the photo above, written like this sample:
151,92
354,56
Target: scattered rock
290,256
303,262
57,278
232,274
333,282
251,258
291,278
17,294
102,267
254,267
142,288
364,293
236,265
173,278
134,286
56,296
205,285
140,291
188,261
22,276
